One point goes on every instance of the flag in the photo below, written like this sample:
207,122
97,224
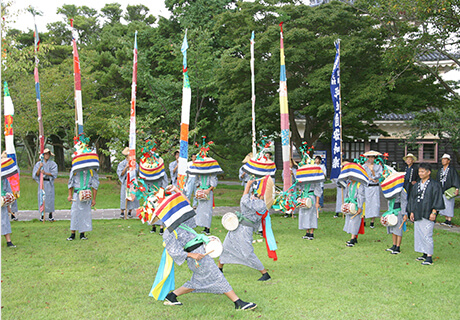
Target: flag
185,119
132,123
164,280
284,111
77,83
253,97
9,136
336,144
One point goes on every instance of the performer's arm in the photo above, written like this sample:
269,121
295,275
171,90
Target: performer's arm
70,196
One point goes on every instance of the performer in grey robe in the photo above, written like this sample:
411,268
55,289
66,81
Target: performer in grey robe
338,198
372,191
6,225
173,167
237,245
205,207
190,185
80,211
354,193
424,204
122,172
448,177
50,172
308,217
206,277
400,202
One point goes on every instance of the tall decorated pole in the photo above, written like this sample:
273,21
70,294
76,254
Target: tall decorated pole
284,111
132,123
77,83
185,118
8,109
41,136
336,145
253,98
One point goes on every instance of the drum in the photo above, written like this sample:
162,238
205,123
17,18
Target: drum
389,220
85,195
201,195
7,199
305,203
349,208
214,245
230,221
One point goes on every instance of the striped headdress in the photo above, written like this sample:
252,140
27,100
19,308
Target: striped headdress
354,171
205,166
264,187
150,171
260,167
310,173
83,157
9,168
393,185
173,210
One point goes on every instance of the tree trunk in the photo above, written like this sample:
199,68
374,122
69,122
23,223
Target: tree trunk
105,165
58,151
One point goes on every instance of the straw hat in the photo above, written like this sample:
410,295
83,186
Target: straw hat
48,150
125,151
411,156
445,156
4,154
246,159
372,153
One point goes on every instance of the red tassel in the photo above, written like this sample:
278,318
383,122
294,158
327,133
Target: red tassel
361,228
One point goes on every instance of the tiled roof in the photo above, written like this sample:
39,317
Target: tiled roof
403,117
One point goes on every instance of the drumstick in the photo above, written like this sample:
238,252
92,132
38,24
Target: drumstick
317,213
354,216
197,264
208,253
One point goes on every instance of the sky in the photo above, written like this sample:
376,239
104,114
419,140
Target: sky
24,20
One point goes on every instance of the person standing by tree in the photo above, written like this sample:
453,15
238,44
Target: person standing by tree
424,204
449,179
411,176
50,172
173,166
127,201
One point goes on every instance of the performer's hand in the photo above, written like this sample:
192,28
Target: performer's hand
456,192
317,206
404,218
359,211
196,256
69,198
93,202
414,182
432,217
172,188
412,216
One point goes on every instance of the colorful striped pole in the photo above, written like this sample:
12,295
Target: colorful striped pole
253,98
284,111
185,119
77,83
132,122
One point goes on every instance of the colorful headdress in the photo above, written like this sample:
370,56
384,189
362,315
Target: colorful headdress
9,168
264,187
260,165
83,157
305,152
203,164
354,171
308,171
393,184
151,164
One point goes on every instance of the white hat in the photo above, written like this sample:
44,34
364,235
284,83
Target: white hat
372,153
410,155
445,156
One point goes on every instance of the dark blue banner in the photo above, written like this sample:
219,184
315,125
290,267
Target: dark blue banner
336,145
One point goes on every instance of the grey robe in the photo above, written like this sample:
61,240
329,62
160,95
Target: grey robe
48,183
402,199
372,192
243,176
307,217
190,185
352,225
6,225
173,174
204,208
80,212
132,205
338,198
237,245
448,178
207,276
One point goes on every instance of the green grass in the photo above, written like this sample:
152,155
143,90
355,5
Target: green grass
110,275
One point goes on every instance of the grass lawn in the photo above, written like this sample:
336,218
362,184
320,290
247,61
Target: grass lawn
109,276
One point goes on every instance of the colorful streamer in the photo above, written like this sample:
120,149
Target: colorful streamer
284,111
336,143
164,280
41,136
77,84
9,137
185,119
132,123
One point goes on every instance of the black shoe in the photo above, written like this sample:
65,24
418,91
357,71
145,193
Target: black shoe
428,261
336,215
312,237
391,249
445,223
396,250
72,237
449,224
171,300
265,277
10,245
351,243
161,232
241,305
422,258
122,215
129,215
372,225
207,232
41,219
82,236
306,236
154,229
